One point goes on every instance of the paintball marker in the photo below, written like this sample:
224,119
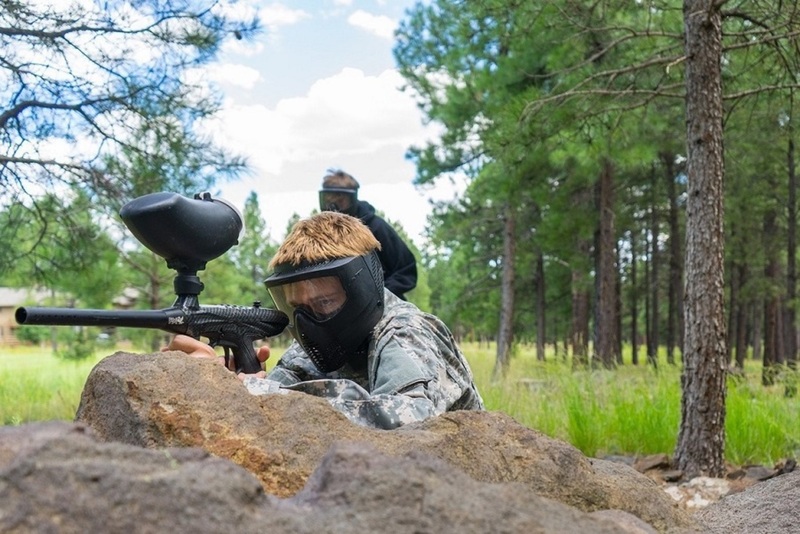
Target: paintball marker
187,233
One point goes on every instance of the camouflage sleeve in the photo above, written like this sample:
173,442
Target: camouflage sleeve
262,386
293,367
378,411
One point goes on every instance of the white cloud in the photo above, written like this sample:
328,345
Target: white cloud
276,15
343,118
362,124
379,25
243,48
234,75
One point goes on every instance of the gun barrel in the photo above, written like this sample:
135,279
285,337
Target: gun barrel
172,320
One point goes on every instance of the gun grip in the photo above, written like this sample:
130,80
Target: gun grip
244,358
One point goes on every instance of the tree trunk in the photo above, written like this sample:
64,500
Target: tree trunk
773,342
580,320
618,336
581,299
757,322
652,336
791,254
733,311
541,333
634,303
701,439
741,332
605,313
739,313
505,334
675,290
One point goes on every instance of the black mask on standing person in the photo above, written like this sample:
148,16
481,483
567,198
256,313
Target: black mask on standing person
332,307
341,199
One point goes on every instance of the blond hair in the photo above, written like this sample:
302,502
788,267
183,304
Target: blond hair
328,235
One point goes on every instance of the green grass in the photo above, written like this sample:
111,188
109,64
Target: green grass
633,410
37,386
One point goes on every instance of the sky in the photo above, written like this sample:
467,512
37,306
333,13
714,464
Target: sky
319,89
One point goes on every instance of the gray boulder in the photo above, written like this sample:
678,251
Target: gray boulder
769,507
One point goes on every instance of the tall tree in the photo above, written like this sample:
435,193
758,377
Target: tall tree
791,254
89,86
675,285
605,345
653,326
74,242
255,248
701,439
505,334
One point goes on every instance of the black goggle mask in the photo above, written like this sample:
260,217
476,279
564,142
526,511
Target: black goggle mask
338,199
332,306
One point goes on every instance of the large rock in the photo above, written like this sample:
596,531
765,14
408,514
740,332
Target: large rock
170,400
56,477
769,507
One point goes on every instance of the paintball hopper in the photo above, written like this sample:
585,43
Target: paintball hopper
186,232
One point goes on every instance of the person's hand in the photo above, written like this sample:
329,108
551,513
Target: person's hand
263,355
193,347
197,349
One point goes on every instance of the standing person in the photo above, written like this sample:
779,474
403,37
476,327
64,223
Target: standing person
379,360
340,193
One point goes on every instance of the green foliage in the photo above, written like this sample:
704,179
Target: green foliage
421,294
534,97
48,252
247,264
33,335
76,344
90,91
131,129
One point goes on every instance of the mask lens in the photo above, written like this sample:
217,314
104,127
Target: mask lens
335,201
321,298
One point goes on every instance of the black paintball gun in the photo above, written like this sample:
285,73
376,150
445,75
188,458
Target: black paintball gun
187,233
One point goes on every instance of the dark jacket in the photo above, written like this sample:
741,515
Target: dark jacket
399,263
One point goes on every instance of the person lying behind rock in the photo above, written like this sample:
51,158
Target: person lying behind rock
379,360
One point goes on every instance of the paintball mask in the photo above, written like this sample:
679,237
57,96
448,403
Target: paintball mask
332,307
341,199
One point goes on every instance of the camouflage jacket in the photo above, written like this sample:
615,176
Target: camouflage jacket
414,371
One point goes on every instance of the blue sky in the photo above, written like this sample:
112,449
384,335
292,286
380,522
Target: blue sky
319,89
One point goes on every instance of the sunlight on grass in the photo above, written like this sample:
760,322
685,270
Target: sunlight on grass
633,410
37,386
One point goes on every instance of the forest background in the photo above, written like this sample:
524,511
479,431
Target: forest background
592,134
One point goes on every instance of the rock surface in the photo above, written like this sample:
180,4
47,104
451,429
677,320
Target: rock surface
63,480
769,507
170,400
165,442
